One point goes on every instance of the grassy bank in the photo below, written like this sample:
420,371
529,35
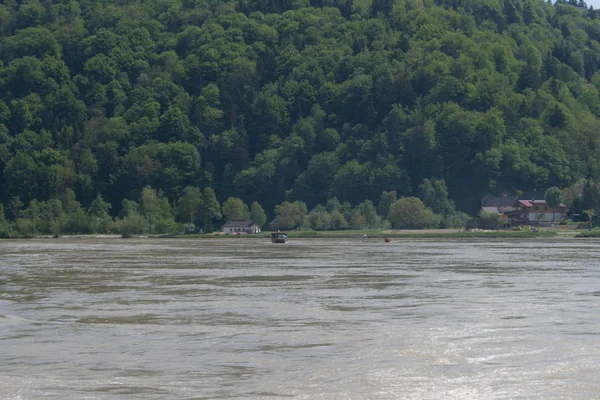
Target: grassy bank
365,233
359,234
421,234
595,233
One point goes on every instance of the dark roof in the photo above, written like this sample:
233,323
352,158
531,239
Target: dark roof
493,201
531,203
238,224
532,195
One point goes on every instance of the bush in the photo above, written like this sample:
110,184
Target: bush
133,224
456,220
4,230
76,222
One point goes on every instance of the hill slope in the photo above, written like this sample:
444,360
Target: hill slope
296,99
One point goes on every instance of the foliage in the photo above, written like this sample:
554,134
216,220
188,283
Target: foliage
275,101
487,220
456,220
211,209
289,215
234,209
149,205
553,196
434,195
190,203
590,196
411,213
257,214
590,215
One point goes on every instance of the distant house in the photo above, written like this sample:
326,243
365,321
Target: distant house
522,209
499,205
246,226
528,211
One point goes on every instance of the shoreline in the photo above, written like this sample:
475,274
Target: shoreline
548,233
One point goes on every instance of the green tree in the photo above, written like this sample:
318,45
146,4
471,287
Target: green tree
337,220
289,215
32,213
369,213
434,194
590,216
357,220
590,196
99,211
234,209
165,221
15,206
553,198
488,220
318,218
257,214
52,217
211,209
99,207
385,201
313,184
149,204
131,222
411,213
189,203
352,182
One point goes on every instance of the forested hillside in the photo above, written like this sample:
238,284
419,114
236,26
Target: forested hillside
294,100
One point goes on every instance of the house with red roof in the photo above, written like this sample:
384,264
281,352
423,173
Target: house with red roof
536,211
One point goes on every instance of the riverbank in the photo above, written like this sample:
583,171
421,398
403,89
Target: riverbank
557,232
397,233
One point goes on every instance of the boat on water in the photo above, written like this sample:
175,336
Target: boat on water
278,237
387,240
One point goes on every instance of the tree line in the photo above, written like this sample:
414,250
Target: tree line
199,211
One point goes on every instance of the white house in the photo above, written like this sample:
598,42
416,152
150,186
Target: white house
537,211
246,226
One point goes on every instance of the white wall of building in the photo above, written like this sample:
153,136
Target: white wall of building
548,217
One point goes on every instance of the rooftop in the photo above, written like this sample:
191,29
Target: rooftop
238,224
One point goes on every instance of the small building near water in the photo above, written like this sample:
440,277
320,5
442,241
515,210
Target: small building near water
536,211
523,209
245,226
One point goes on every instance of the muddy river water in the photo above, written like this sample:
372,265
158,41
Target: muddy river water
242,318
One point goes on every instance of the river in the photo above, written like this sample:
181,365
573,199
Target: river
242,318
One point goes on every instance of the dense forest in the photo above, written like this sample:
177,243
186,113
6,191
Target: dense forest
168,109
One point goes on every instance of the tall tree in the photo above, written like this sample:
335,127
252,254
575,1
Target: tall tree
32,213
190,202
234,209
211,209
257,214
590,196
99,207
15,207
289,215
434,194
149,204
553,198
411,213
385,201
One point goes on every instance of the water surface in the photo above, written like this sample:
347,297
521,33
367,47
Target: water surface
312,319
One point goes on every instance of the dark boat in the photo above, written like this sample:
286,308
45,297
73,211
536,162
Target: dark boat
278,237
387,240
